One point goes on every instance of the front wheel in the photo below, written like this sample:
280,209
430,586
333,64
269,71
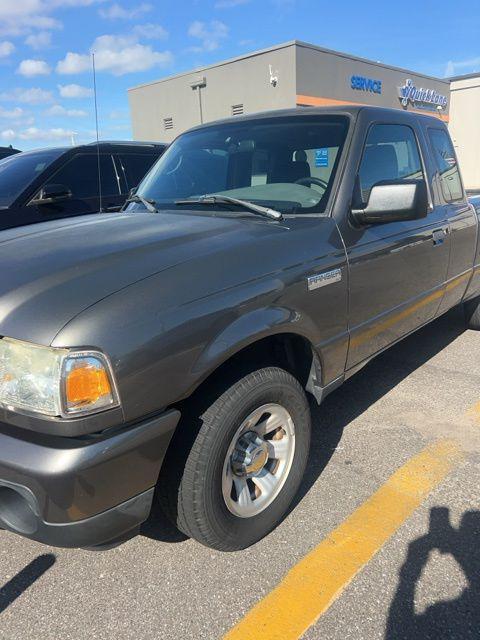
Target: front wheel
246,462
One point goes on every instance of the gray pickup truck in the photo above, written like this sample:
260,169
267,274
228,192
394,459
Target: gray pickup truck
168,353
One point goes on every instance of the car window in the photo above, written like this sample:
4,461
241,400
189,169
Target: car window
447,166
288,163
136,166
18,171
80,175
390,153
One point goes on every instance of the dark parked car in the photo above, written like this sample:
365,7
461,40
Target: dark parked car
5,152
47,184
170,355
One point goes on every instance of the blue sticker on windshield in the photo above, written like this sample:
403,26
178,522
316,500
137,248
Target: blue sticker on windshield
321,157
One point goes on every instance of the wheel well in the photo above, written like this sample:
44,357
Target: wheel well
289,351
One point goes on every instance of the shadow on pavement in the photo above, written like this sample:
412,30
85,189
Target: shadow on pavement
24,579
158,527
450,619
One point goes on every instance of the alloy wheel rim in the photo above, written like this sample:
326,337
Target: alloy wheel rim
258,460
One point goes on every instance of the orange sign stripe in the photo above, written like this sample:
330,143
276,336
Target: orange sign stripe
316,101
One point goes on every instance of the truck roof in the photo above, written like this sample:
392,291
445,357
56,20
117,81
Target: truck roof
352,110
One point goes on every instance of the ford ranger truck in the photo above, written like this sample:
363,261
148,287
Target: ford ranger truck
168,353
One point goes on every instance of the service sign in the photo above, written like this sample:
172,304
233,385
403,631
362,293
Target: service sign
361,83
420,97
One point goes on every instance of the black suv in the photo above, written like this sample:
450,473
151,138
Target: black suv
5,152
46,184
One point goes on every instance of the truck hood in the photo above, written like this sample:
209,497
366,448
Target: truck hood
51,272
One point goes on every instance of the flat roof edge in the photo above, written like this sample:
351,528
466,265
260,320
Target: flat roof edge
343,54
285,45
220,63
467,76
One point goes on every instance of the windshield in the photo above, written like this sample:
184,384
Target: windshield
288,164
18,171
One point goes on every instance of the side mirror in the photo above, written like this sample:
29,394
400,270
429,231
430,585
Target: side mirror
51,194
394,202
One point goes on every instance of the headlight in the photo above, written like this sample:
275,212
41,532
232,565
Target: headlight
54,382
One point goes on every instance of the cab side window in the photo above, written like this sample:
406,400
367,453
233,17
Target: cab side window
80,175
447,166
136,166
391,154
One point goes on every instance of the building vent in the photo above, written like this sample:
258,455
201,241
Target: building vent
168,123
237,109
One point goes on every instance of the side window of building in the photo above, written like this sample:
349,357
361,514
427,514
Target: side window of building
80,175
391,153
446,164
136,166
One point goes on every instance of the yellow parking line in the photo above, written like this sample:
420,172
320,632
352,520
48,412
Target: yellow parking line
309,589
474,412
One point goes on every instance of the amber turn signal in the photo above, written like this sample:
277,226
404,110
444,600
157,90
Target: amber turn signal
86,384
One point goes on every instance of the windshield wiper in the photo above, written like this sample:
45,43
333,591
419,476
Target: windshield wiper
246,204
147,203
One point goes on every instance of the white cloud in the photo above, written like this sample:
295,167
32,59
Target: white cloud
227,4
74,91
6,49
16,117
459,67
11,114
33,133
40,40
117,12
59,4
8,134
209,34
31,68
34,95
21,17
116,54
150,31
58,110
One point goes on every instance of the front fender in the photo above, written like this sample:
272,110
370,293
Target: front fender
248,329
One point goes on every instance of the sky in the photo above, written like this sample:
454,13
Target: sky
46,96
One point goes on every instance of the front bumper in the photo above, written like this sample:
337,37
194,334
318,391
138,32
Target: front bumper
70,492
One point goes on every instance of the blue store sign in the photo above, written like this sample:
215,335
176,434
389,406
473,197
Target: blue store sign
360,83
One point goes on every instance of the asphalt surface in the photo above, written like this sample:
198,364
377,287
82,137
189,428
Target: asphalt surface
423,583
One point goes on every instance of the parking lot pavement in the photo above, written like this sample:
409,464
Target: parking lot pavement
424,581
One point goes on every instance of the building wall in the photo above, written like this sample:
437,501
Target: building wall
465,128
238,82
325,78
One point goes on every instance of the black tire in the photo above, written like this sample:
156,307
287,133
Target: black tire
472,313
190,486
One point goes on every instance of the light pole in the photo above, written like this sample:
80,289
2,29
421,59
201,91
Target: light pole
198,85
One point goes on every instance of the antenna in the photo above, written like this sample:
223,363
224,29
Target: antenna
96,127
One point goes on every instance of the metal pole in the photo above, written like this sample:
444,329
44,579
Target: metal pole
200,104
98,142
